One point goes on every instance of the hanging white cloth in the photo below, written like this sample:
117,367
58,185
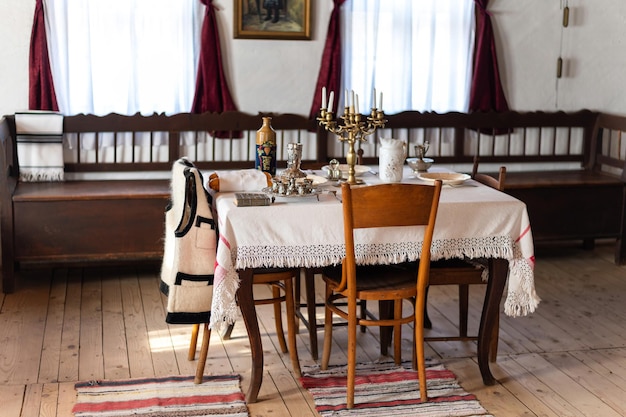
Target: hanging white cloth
39,145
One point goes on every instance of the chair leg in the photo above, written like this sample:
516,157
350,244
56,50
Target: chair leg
421,362
309,284
328,332
296,300
419,347
278,319
191,355
204,350
363,305
352,324
291,327
385,311
397,329
463,308
427,323
228,331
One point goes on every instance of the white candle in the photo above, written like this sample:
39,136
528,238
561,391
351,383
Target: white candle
381,101
352,102
374,98
330,100
357,104
346,99
324,98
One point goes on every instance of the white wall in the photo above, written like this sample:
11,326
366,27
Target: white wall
274,75
280,75
530,38
16,21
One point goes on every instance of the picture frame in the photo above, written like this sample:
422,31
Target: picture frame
291,20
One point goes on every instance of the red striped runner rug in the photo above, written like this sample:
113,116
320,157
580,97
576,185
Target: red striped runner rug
384,389
175,396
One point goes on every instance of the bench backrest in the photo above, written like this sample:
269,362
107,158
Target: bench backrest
118,143
504,138
610,145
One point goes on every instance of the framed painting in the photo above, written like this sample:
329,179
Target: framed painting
273,19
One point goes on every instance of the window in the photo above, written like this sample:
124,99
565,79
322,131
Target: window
124,56
419,53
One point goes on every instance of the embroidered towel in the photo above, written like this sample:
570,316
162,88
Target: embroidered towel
239,180
40,145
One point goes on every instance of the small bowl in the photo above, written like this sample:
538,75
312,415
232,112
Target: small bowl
418,165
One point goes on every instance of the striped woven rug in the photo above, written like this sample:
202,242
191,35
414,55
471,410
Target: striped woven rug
384,389
175,396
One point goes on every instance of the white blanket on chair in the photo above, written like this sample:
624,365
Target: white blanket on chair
40,145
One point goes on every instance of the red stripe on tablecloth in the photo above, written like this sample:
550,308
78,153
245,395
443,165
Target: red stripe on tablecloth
524,233
226,242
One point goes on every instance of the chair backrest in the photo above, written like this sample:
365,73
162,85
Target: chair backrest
388,205
492,182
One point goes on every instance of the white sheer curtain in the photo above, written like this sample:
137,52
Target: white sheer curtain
418,52
124,56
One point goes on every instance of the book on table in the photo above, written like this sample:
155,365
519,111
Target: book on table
252,199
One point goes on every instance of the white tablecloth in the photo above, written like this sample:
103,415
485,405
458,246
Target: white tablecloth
473,221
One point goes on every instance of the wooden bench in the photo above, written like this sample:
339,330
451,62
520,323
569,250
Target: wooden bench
567,167
111,206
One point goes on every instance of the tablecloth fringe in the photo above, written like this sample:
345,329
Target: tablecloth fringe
225,310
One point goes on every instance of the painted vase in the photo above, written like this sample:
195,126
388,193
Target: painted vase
266,147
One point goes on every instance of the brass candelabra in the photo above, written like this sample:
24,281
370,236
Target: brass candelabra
352,129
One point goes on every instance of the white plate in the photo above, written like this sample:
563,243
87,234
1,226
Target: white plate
317,179
358,170
451,178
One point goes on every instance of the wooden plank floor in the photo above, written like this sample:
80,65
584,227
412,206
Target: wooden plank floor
66,325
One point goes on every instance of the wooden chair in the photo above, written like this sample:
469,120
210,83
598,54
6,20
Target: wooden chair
463,273
280,281
188,218
497,183
396,205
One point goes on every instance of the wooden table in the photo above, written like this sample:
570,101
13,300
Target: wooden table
473,221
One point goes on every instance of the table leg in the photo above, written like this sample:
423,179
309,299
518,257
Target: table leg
248,311
498,271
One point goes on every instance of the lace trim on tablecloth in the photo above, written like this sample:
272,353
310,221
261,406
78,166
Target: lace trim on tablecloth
224,309
521,297
312,256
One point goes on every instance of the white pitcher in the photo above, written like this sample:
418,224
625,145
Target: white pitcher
391,158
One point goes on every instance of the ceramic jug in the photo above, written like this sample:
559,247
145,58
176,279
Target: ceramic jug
391,158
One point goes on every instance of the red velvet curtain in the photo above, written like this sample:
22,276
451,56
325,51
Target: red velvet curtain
486,90
330,69
41,95
212,92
